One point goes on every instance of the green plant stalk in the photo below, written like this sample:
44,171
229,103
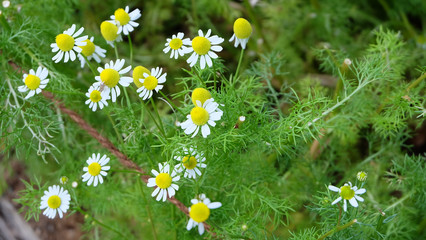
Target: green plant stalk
158,116
380,222
90,65
153,119
171,103
4,23
131,50
337,229
116,50
417,82
199,77
115,129
129,171
148,209
239,63
98,222
214,75
129,105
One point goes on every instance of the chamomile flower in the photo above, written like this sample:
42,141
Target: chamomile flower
242,32
177,45
56,199
200,94
96,169
199,212
202,116
67,44
189,161
138,74
204,46
97,97
151,82
348,193
110,32
63,180
34,82
90,50
125,20
164,182
361,176
110,76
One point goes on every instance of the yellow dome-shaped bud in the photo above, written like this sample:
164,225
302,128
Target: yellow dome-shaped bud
242,28
109,31
138,74
201,95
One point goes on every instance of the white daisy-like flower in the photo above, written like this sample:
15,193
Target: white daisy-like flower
110,76
189,161
242,32
110,32
63,180
164,182
348,193
90,50
178,45
361,176
56,199
67,43
34,82
151,82
199,212
97,96
96,169
125,20
204,47
202,116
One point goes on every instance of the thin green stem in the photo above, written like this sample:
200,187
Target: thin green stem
128,101
380,221
239,63
98,222
158,116
116,50
63,92
171,103
115,128
129,171
214,75
90,65
4,23
131,50
417,82
153,119
199,77
148,209
337,229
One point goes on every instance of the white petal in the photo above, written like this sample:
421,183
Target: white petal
333,188
353,202
214,205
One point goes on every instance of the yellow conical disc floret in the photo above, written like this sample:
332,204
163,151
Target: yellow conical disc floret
54,202
176,43
122,16
201,45
199,212
347,192
88,49
32,82
138,74
199,116
110,77
65,42
189,162
242,28
94,169
150,83
201,95
109,31
163,180
95,96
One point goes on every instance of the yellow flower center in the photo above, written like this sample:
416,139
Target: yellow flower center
189,162
175,43
109,31
138,74
199,116
346,192
32,81
201,95
201,45
150,82
122,16
163,180
199,212
110,77
89,49
65,42
242,28
95,96
54,202
94,169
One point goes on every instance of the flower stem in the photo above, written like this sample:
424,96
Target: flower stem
214,74
131,50
171,103
90,65
116,50
158,116
337,229
153,119
415,83
115,129
148,209
239,63
98,222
